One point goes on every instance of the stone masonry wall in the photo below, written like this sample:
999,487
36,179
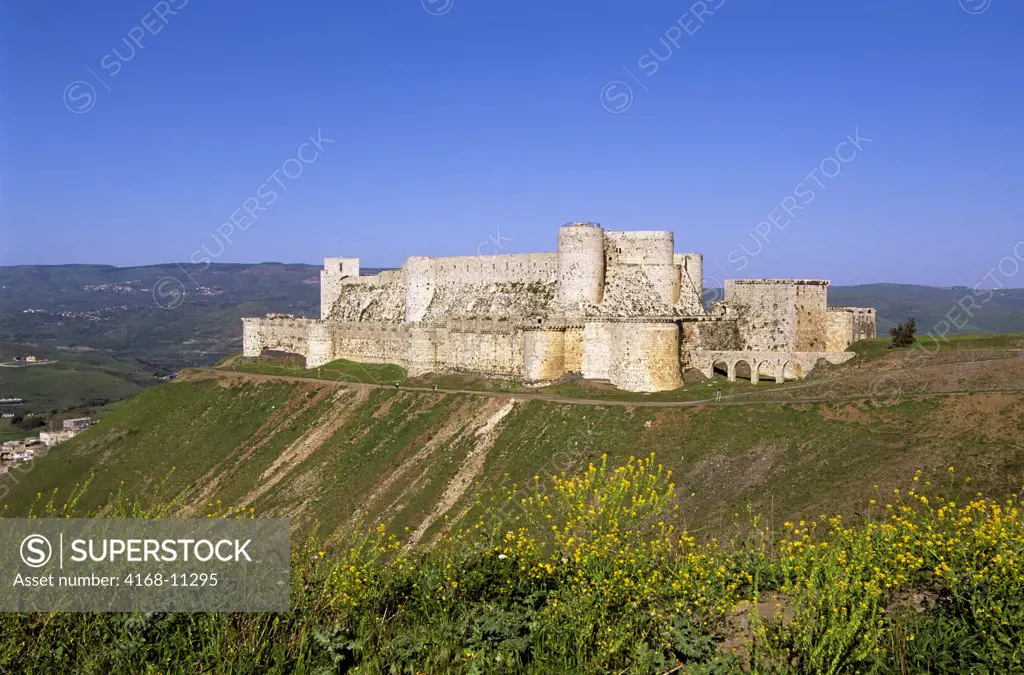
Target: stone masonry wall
574,349
493,348
811,317
707,335
335,270
369,342
420,282
580,265
598,337
766,313
286,334
691,281
640,248
543,355
846,325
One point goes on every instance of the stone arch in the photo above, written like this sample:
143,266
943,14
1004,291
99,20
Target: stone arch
768,369
746,368
792,370
724,367
706,367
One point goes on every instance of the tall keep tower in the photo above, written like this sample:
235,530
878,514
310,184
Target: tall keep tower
580,265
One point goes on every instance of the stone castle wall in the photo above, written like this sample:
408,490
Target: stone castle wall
491,348
645,356
792,315
598,344
573,350
615,306
286,334
335,271
766,313
543,355
650,255
846,325
707,334
811,310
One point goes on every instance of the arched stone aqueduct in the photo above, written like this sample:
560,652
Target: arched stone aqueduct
781,366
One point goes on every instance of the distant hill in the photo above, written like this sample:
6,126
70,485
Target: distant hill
1002,312
166,316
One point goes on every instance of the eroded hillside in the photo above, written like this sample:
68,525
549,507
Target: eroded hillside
322,453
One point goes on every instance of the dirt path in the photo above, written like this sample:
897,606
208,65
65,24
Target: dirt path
554,398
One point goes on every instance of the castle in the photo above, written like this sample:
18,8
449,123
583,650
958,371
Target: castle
617,306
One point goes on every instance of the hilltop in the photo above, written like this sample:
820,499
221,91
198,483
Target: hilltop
320,451
153,320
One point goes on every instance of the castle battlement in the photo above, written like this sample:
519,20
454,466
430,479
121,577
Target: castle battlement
615,305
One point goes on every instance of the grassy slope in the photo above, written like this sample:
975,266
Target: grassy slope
335,371
317,452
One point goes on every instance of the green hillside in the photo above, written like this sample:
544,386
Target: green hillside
64,378
319,452
920,574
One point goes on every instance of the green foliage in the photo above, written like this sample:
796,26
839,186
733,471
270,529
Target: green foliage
28,423
903,334
589,577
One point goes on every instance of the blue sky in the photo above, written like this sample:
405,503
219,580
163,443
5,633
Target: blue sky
131,138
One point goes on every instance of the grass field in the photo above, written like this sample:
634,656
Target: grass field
702,390
71,380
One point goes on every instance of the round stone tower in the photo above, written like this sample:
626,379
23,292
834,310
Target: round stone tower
651,252
580,264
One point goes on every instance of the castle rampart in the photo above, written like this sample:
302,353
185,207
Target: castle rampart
581,263
615,306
